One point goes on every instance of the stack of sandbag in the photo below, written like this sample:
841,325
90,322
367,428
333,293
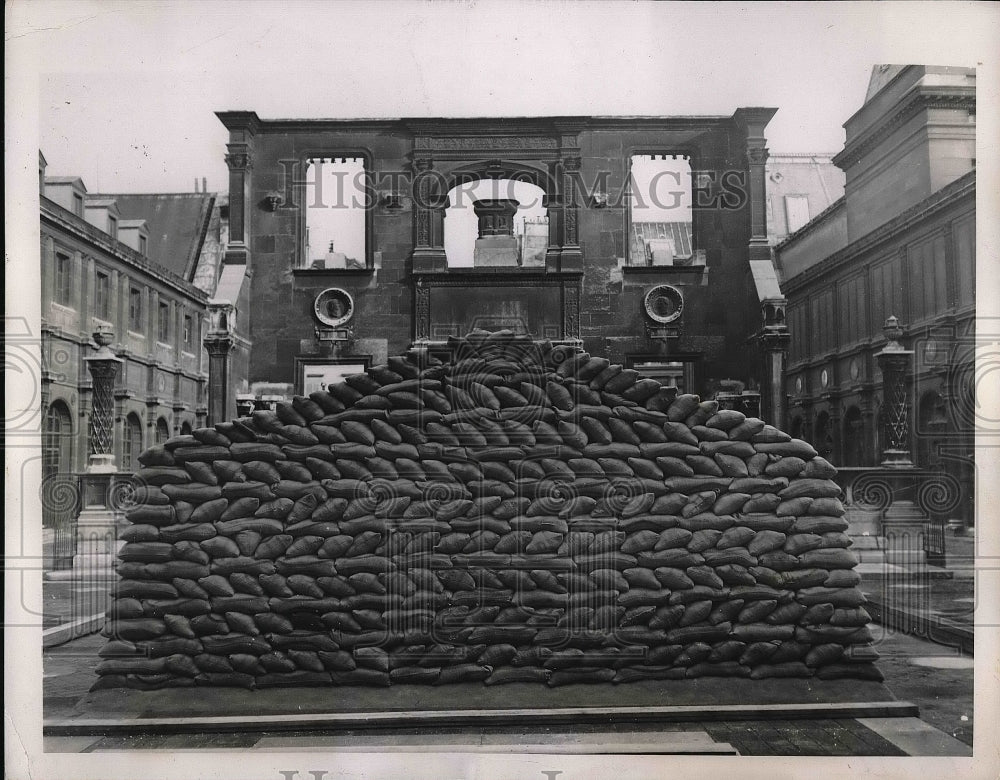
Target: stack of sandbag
523,513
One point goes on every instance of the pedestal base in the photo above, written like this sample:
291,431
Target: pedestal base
896,459
904,527
495,251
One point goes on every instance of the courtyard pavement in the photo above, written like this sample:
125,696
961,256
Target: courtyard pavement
937,679
924,640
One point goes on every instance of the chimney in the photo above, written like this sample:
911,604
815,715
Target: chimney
195,183
204,184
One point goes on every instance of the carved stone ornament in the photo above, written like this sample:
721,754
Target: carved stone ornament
334,307
238,159
664,304
493,142
757,155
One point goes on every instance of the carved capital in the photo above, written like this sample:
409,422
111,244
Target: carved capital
218,346
571,164
774,339
757,155
238,157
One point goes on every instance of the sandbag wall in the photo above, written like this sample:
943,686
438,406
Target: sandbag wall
523,513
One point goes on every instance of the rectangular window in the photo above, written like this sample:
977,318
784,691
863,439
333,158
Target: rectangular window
796,211
142,245
187,330
102,296
135,310
112,226
659,210
163,322
78,204
335,198
63,279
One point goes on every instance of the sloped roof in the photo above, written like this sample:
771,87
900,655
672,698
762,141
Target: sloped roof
176,223
56,180
641,232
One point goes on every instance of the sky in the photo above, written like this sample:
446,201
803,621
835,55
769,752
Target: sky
126,92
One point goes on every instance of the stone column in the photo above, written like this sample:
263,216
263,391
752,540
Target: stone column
904,524
554,211
219,339
428,213
103,368
571,256
752,122
774,338
895,362
239,163
102,488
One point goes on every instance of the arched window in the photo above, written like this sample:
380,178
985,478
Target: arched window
854,438
517,236
59,487
796,428
185,429
162,431
58,439
131,443
823,436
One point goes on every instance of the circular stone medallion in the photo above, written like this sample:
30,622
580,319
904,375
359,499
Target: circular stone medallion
334,307
664,304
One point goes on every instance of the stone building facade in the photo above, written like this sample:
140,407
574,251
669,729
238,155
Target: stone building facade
710,317
125,265
901,243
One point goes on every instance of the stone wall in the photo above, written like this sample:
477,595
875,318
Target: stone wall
523,513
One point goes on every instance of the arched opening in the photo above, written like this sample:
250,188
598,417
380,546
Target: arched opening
185,428
854,438
823,436
517,234
58,487
58,439
162,431
131,443
795,429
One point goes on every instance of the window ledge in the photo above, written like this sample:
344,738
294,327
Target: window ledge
63,307
136,335
163,345
682,274
332,272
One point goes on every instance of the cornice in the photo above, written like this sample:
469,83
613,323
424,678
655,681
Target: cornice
471,126
962,188
924,97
